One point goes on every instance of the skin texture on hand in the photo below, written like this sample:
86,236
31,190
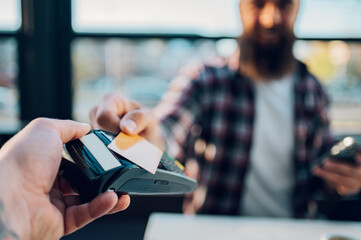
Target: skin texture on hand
37,203
115,114
344,178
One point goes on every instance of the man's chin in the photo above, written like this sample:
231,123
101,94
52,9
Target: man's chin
268,42
266,55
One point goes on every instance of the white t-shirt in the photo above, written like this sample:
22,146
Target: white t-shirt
270,178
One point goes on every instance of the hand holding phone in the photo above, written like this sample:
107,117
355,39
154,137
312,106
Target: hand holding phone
343,151
341,166
346,149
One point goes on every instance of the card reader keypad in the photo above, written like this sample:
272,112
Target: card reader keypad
170,164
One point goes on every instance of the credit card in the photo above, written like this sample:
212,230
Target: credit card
137,150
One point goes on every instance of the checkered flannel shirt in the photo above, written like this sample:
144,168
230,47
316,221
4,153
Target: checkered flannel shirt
217,106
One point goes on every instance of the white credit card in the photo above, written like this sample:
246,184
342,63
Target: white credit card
137,150
101,153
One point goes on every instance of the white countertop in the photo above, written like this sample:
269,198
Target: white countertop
163,226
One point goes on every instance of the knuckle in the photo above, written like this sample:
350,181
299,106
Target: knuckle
103,117
93,112
144,114
136,115
134,104
41,122
93,109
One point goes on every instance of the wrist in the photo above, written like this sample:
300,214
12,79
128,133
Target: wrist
6,233
12,214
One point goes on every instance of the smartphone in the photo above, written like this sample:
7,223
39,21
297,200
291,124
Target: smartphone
343,151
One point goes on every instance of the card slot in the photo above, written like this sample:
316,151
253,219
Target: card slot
93,163
100,152
82,162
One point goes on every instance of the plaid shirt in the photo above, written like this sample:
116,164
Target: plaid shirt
217,106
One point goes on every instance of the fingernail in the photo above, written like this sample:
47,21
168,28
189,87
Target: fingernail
129,125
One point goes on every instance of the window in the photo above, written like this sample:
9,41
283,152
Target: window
337,64
138,69
118,45
8,88
9,103
329,19
10,17
317,18
141,68
200,17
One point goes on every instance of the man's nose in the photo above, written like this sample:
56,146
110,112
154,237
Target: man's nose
270,16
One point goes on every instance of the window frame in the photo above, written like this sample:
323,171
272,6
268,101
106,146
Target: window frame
42,97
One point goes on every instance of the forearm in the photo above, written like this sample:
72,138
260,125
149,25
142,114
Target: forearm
175,128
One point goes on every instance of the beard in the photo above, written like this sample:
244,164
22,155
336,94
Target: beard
266,61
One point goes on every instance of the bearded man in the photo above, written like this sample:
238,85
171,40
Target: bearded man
249,131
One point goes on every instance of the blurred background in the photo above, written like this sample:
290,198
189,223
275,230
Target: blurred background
57,58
